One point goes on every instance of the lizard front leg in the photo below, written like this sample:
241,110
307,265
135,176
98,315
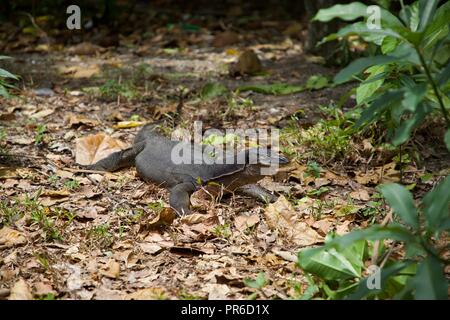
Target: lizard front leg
258,192
118,160
180,197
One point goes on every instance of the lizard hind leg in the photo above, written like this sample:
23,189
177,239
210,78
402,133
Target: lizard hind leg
180,198
118,160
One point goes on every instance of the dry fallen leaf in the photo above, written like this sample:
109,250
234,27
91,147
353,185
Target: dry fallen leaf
43,288
301,173
150,248
85,48
76,119
56,193
367,146
20,291
112,269
102,293
128,124
42,113
88,212
335,179
80,71
288,256
324,226
92,148
163,217
10,237
23,141
360,194
281,216
146,294
243,222
8,173
64,174
194,218
343,228
216,291
384,174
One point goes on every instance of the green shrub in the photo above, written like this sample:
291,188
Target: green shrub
339,264
5,77
408,79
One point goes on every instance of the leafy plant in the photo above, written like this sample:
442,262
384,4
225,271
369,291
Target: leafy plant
101,235
340,262
40,133
258,283
222,230
317,82
408,79
72,184
53,179
48,224
273,89
156,206
113,89
4,77
327,140
213,90
313,170
9,214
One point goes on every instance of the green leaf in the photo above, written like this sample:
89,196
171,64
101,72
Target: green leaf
357,66
393,231
377,107
376,232
444,76
414,96
403,132
364,289
389,44
410,14
355,254
213,90
447,139
430,282
327,264
317,82
311,290
3,92
413,37
360,28
352,11
438,28
401,201
369,87
274,89
436,205
258,283
347,12
344,289
4,57
6,74
445,226
427,8
406,53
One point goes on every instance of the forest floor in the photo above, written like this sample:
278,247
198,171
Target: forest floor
68,234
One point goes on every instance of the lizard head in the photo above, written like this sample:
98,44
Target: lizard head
262,162
265,157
